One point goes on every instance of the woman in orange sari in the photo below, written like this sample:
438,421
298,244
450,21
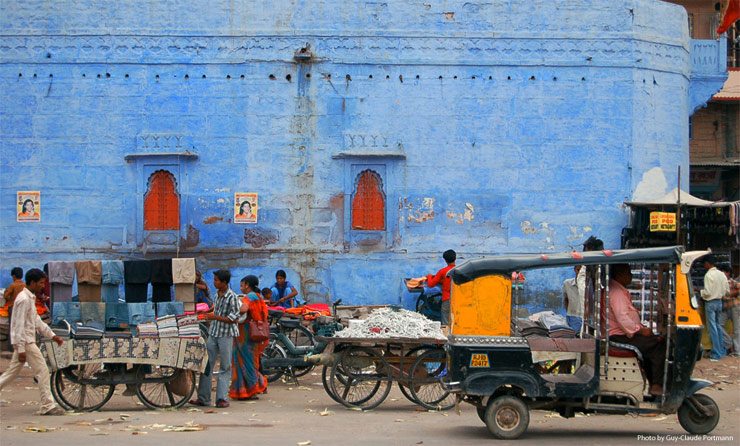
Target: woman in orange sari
246,380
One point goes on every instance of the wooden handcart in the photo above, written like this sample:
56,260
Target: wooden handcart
85,372
364,370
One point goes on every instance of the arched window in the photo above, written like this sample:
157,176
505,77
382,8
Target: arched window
368,203
161,203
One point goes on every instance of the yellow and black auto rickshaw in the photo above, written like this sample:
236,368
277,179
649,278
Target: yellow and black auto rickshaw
505,374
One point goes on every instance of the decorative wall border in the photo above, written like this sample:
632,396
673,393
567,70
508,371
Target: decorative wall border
615,52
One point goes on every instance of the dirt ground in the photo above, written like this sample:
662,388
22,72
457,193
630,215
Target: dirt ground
296,414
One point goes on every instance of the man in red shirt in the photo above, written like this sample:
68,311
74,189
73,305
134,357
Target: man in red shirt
625,327
441,277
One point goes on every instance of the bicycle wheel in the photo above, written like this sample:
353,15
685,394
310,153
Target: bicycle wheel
160,394
74,387
272,351
365,384
426,387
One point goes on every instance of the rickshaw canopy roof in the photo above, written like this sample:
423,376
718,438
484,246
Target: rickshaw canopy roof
507,264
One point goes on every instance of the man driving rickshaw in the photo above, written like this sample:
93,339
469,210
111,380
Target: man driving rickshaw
494,361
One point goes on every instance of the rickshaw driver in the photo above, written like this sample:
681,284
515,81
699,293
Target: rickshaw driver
625,327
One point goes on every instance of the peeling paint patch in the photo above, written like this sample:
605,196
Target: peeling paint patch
424,213
467,215
527,227
259,238
652,186
449,15
221,200
212,219
192,239
223,189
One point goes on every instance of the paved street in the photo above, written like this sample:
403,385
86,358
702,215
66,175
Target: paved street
289,415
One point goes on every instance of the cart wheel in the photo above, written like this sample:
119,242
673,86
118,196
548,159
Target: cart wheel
156,389
272,351
73,387
695,422
507,417
426,386
364,386
340,378
403,384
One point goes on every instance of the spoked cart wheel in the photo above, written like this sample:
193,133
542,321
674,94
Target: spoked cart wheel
80,387
157,389
359,379
426,387
698,420
407,364
507,417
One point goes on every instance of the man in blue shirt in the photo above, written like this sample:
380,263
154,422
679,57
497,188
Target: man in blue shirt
283,293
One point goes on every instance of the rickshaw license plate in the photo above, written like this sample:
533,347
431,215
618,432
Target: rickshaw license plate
479,360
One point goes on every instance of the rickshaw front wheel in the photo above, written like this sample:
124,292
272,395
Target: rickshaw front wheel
693,419
507,417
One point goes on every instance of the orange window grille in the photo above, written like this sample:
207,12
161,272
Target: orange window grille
368,203
161,203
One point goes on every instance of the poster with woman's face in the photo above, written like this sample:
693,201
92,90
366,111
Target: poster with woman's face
245,207
28,206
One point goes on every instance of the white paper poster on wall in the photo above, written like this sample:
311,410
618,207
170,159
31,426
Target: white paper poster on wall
28,204
245,207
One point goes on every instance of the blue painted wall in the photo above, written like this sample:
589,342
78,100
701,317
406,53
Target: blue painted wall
498,126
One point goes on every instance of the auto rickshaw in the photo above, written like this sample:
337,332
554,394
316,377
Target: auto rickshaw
502,373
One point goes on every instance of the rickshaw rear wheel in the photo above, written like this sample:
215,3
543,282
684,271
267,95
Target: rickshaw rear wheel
507,417
481,413
697,423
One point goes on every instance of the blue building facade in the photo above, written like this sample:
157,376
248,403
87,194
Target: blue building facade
488,127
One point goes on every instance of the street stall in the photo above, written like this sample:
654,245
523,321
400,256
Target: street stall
85,372
391,345
680,218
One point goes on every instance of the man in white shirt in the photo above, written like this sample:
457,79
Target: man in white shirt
573,301
715,288
24,325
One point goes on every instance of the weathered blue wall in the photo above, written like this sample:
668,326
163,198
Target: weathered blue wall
498,126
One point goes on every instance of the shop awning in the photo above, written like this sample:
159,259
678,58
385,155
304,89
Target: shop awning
731,89
671,198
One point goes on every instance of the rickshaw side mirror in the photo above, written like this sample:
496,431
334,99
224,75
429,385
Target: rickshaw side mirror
694,302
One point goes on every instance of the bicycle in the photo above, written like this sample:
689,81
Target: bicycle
282,354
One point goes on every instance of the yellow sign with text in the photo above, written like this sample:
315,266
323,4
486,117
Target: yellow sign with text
662,222
479,360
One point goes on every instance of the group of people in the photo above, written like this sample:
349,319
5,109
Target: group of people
230,341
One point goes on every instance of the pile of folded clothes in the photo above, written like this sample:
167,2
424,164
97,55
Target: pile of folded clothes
167,326
187,326
526,328
118,334
91,330
147,330
555,325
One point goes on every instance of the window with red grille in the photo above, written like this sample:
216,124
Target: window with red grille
161,203
368,203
